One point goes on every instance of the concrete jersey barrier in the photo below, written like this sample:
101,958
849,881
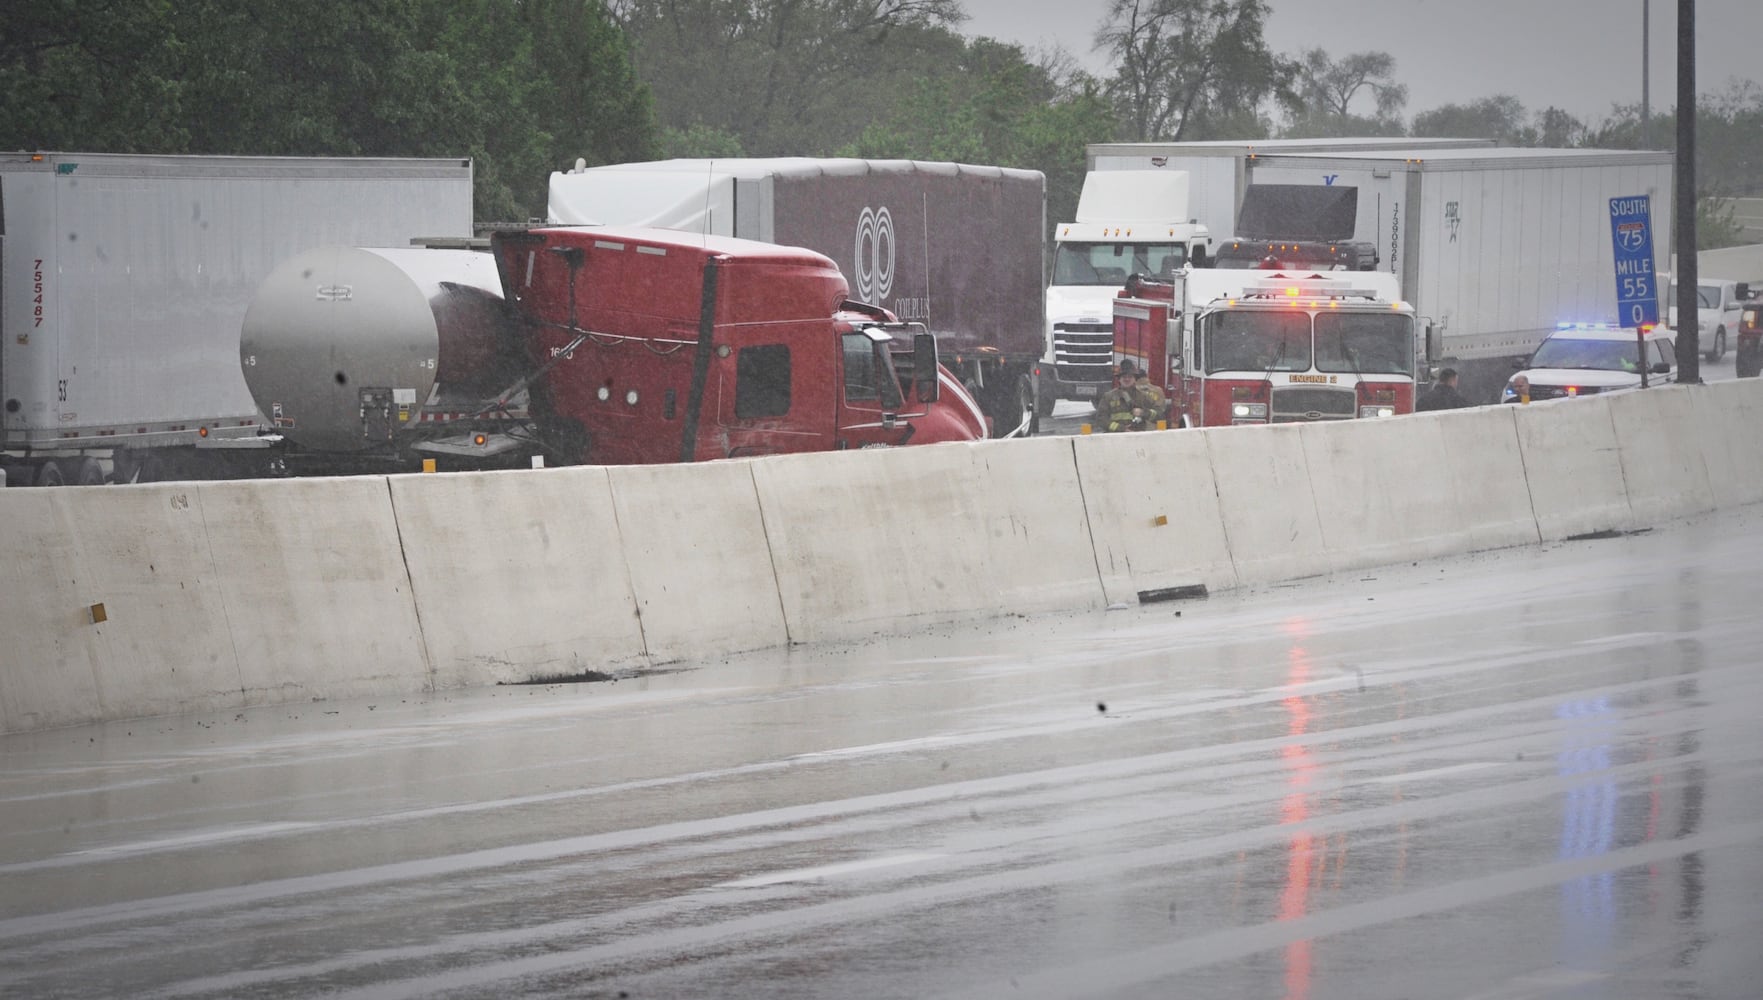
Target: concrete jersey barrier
128,601
517,576
1152,505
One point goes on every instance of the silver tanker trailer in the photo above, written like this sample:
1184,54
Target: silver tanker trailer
368,359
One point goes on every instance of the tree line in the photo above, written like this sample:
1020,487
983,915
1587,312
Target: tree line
525,87
520,86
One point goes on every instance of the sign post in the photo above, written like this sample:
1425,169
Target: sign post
1637,288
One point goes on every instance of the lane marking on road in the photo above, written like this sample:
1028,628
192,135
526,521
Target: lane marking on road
896,746
825,871
198,839
1437,772
1625,637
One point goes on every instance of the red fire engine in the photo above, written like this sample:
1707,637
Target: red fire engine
658,346
1255,347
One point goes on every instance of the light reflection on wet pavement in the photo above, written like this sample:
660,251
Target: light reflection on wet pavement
1532,773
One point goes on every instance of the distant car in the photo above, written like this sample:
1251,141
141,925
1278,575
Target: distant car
1718,304
1583,359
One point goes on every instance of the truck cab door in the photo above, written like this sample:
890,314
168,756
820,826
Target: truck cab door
769,401
1180,350
870,410
1193,383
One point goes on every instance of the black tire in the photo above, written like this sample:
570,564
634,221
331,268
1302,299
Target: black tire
151,468
1748,363
50,473
86,472
1011,404
1027,404
125,465
1045,397
1718,350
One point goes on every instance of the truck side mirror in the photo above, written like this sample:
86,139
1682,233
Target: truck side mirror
1435,343
925,384
1742,290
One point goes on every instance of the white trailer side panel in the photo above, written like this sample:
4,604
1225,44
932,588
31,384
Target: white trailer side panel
1212,183
1505,254
1217,169
1495,246
693,201
147,266
1554,264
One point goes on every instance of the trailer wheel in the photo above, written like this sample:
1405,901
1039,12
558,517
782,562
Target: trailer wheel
87,472
50,474
1028,413
1749,361
1010,404
1046,397
151,468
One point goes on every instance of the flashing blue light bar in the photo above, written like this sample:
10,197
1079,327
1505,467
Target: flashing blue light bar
1587,326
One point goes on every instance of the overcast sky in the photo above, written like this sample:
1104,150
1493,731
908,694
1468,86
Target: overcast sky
1581,55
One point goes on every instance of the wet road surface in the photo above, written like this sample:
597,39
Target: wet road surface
1532,773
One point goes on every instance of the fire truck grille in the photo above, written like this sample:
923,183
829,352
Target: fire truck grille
1293,405
1084,352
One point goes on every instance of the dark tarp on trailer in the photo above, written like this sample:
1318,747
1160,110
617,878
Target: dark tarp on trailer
1298,212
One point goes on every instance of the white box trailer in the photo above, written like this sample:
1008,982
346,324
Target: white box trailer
1494,247
1218,170
124,280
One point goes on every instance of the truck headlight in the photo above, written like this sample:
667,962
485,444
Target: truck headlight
1248,411
1377,411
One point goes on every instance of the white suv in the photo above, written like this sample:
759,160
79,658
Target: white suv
1718,305
1581,359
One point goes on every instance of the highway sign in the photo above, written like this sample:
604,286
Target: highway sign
1631,239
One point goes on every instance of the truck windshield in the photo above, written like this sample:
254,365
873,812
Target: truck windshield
1599,355
1258,340
869,372
1361,342
1111,263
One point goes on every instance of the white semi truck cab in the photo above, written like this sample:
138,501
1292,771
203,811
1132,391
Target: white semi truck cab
1128,222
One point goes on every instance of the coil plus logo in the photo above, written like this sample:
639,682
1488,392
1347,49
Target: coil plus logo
874,257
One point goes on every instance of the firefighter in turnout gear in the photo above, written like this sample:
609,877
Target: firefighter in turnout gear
1132,405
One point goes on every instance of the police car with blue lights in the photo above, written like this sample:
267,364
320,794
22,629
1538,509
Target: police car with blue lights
1583,359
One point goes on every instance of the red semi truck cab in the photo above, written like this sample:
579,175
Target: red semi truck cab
655,346
1255,347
